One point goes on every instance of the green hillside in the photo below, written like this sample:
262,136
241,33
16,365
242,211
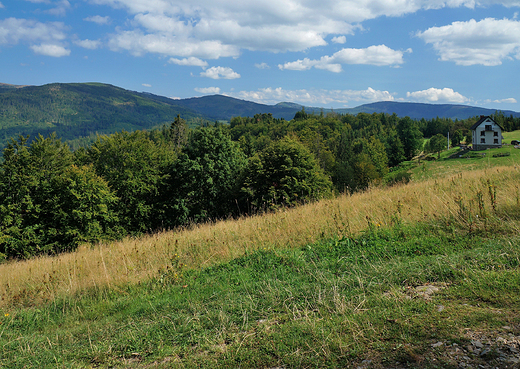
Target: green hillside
81,110
218,107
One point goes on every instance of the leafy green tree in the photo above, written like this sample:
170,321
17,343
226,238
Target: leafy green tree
178,133
370,162
204,179
135,167
377,153
83,207
410,136
437,143
366,171
394,147
457,137
343,173
47,205
286,173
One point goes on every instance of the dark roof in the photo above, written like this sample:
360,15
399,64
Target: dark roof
482,119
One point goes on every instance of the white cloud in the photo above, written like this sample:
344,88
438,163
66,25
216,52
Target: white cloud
146,85
208,90
191,61
50,50
44,38
88,44
98,19
211,29
434,95
315,97
374,55
510,100
14,30
2,6
270,25
220,73
139,43
262,66
61,8
487,42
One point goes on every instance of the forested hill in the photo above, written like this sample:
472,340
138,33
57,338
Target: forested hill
218,107
426,111
77,111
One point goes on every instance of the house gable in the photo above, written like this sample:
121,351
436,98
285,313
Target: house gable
487,134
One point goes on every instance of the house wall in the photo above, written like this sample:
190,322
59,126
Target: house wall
488,135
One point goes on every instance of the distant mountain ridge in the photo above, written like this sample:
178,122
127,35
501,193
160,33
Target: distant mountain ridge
427,111
79,111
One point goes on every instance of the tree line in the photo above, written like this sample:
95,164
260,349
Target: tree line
53,198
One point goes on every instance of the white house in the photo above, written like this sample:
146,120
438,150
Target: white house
486,134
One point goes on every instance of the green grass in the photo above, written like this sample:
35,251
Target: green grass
451,164
329,304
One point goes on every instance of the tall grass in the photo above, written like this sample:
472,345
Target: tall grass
455,200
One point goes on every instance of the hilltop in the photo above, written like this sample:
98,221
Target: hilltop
81,110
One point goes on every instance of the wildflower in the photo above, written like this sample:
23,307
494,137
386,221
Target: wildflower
6,315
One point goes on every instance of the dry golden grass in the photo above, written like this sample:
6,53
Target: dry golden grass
132,260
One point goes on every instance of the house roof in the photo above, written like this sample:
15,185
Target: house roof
482,119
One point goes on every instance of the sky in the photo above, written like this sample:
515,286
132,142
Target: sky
320,53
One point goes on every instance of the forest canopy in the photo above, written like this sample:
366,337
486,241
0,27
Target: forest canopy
53,198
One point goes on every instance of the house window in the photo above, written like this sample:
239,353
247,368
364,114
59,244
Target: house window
488,127
482,133
495,134
482,140
496,141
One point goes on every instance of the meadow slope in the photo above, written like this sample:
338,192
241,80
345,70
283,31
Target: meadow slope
137,259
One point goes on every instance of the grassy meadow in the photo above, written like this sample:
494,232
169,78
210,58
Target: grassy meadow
374,279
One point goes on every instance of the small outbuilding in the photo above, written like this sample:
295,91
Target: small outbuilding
487,134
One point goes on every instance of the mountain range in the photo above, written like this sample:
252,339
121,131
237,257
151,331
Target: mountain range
77,112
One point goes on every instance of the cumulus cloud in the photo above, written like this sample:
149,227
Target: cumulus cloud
98,19
43,38
1,6
14,30
434,95
61,8
191,61
510,100
262,66
270,25
339,39
139,43
374,55
220,73
208,90
50,50
88,44
315,97
487,42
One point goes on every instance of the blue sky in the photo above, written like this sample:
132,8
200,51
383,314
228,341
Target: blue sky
324,53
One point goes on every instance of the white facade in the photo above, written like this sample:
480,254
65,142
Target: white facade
486,134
